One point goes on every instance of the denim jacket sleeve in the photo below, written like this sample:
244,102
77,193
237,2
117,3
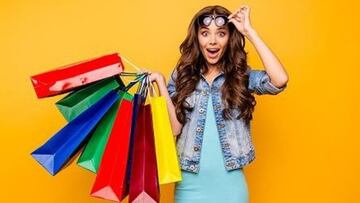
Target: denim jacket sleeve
259,82
171,84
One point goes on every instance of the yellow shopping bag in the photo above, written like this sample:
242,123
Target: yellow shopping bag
166,156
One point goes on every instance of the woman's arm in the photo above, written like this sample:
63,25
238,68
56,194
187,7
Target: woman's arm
161,83
241,19
273,67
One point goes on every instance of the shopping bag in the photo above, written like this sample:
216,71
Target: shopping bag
110,182
78,101
112,179
138,101
166,155
144,185
65,143
66,78
91,156
93,152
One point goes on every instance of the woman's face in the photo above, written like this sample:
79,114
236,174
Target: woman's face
213,42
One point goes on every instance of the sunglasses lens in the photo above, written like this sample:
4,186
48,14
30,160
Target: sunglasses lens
206,20
220,21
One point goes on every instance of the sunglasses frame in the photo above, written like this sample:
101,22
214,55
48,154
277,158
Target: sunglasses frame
201,19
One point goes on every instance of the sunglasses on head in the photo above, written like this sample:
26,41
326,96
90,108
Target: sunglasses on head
220,20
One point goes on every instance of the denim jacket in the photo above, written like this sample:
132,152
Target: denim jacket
234,135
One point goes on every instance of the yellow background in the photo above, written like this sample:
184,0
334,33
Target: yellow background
306,138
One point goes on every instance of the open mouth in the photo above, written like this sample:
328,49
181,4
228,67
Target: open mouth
212,52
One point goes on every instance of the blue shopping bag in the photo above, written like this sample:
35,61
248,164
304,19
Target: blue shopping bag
138,101
55,153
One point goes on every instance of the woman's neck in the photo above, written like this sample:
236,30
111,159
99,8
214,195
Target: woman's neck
211,73
212,69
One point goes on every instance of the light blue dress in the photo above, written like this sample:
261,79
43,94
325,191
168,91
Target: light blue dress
213,183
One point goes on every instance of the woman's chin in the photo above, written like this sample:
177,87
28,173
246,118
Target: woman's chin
212,61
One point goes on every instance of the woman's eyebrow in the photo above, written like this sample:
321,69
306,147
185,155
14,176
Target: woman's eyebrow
204,28
222,28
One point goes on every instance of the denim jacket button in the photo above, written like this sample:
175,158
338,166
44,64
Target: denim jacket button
226,144
201,110
231,164
221,125
196,148
198,129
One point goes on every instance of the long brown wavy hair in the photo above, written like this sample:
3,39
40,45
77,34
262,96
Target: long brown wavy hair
233,63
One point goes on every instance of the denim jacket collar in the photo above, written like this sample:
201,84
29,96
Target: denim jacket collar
221,73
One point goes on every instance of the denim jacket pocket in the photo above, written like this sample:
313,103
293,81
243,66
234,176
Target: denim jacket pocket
192,101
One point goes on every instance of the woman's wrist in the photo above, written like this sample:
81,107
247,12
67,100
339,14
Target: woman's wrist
160,80
251,34
161,84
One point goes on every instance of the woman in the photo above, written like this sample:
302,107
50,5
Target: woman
210,102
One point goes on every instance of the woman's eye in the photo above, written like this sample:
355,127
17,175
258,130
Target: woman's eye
222,34
204,34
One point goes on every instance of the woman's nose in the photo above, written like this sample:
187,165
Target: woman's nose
212,40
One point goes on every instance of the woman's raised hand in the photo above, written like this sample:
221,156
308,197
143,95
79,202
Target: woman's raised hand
241,19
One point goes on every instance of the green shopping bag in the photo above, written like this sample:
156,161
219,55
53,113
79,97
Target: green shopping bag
78,101
91,156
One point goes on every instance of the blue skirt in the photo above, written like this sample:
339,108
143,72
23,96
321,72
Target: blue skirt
213,183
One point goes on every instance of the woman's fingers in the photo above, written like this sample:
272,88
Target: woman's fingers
155,76
234,13
232,20
245,10
248,12
239,19
238,12
144,70
241,10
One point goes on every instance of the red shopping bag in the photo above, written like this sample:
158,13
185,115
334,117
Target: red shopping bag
111,179
144,184
66,78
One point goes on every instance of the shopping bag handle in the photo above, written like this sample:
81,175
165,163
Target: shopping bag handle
152,88
138,78
142,88
130,73
133,65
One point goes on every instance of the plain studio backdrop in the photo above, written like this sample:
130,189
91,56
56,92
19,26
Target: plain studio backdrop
306,138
